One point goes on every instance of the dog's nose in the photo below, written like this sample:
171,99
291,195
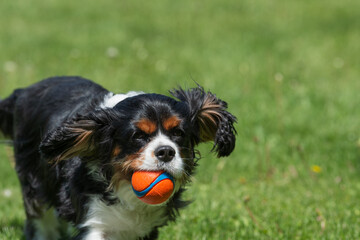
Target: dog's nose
165,153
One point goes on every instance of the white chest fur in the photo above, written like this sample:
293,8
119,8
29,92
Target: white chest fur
129,219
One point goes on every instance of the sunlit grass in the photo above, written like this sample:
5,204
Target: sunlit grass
288,69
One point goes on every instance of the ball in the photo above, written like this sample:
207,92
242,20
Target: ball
152,187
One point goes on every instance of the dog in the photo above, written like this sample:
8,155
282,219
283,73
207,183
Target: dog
77,145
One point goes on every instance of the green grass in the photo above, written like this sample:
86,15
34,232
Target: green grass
288,69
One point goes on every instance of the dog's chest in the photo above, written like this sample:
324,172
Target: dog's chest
128,219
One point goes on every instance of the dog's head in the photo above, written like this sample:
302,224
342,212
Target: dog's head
145,132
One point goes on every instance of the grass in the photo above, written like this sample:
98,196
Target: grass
288,69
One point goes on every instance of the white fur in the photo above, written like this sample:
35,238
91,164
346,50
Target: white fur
111,99
95,234
151,163
129,219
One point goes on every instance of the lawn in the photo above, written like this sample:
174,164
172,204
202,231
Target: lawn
289,71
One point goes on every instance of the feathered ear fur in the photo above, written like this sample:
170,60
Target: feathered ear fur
208,114
80,136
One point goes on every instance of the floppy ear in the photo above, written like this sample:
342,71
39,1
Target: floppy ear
76,137
208,114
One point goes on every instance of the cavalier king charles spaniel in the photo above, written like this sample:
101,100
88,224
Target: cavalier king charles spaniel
77,145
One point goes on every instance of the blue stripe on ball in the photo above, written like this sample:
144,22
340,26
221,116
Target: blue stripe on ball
162,176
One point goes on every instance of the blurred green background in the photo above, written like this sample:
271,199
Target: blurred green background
288,69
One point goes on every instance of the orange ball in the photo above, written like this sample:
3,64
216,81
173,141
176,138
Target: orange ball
152,187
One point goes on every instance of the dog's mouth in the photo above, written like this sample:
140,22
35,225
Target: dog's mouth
124,170
160,154
175,169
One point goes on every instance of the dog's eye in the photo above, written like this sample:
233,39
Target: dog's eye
177,132
140,136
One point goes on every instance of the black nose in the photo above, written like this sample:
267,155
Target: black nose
165,153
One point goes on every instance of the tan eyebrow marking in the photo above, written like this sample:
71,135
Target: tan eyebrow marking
146,126
171,122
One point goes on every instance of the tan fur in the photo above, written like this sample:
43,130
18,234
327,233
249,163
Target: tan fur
209,118
124,169
82,142
171,122
116,151
146,126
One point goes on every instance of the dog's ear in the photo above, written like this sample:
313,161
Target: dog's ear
77,137
208,115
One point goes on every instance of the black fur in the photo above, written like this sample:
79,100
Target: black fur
7,107
59,131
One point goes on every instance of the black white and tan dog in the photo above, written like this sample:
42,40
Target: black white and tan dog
77,144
